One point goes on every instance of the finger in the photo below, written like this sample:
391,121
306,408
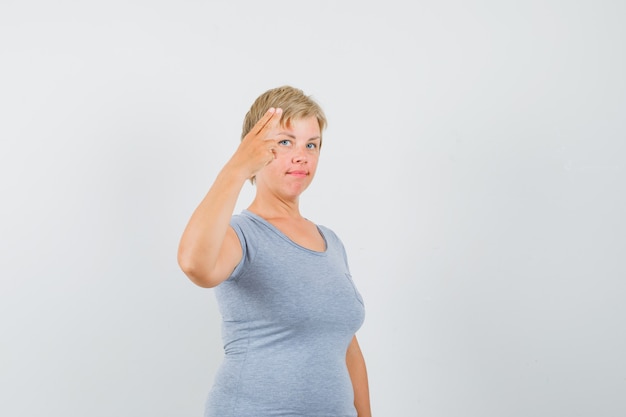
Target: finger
273,152
273,122
265,121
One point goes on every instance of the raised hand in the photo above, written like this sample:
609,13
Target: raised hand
257,148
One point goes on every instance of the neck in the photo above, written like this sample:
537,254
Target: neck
275,208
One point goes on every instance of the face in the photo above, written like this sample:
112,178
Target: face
296,153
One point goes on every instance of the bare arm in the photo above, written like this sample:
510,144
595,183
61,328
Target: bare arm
209,248
358,375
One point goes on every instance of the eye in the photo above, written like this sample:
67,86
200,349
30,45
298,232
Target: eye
311,145
284,142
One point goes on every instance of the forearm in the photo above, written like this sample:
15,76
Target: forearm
202,239
358,375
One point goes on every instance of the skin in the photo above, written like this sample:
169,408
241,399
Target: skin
283,159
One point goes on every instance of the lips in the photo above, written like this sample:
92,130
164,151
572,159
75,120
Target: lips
298,173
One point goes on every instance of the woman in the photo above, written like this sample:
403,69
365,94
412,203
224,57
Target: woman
289,307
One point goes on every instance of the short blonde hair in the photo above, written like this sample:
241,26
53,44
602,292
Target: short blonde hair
293,101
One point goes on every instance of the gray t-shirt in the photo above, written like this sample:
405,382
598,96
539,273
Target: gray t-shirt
289,314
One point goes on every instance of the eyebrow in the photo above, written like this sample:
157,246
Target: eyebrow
293,136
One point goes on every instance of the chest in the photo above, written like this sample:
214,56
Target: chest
303,233
286,284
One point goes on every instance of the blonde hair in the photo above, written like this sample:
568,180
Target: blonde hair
293,101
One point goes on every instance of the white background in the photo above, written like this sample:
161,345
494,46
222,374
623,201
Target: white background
474,166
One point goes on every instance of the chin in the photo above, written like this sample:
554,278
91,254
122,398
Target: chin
296,191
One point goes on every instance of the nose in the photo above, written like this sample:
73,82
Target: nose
299,156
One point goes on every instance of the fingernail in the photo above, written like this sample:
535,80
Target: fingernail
271,110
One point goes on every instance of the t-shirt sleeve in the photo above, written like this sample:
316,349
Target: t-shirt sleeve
238,223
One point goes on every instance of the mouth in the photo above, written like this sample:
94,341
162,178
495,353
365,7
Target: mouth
298,173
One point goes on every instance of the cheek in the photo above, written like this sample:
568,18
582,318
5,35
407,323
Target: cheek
277,165
312,167
314,159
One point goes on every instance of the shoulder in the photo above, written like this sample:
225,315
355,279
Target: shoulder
330,234
240,218
327,231
250,228
243,222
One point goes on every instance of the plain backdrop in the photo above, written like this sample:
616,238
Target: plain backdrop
474,166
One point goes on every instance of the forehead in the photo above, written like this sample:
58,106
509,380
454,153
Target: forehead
303,125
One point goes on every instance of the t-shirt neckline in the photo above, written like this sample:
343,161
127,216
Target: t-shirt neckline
277,231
